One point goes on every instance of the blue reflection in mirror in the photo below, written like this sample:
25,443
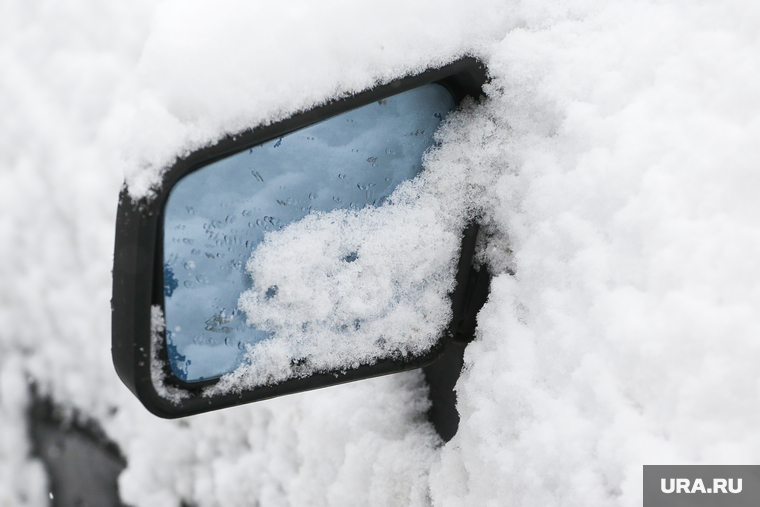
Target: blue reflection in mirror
217,215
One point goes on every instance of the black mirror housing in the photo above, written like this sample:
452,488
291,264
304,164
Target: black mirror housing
139,345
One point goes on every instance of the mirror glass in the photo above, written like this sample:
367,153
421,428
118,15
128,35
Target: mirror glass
216,217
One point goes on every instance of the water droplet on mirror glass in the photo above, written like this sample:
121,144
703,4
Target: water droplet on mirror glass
202,279
337,199
189,265
312,196
189,284
195,251
190,210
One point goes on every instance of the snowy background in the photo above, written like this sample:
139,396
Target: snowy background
615,163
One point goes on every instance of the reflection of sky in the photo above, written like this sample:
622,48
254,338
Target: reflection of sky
216,216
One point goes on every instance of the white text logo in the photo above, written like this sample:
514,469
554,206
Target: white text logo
683,486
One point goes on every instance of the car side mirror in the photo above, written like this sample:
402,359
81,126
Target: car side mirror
279,259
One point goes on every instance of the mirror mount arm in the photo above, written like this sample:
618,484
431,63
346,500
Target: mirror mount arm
443,374
478,288
477,282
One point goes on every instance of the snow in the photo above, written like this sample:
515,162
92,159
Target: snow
390,300
614,165
157,365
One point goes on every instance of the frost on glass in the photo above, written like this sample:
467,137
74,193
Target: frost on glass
273,254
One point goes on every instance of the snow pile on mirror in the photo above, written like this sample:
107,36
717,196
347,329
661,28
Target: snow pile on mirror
346,288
